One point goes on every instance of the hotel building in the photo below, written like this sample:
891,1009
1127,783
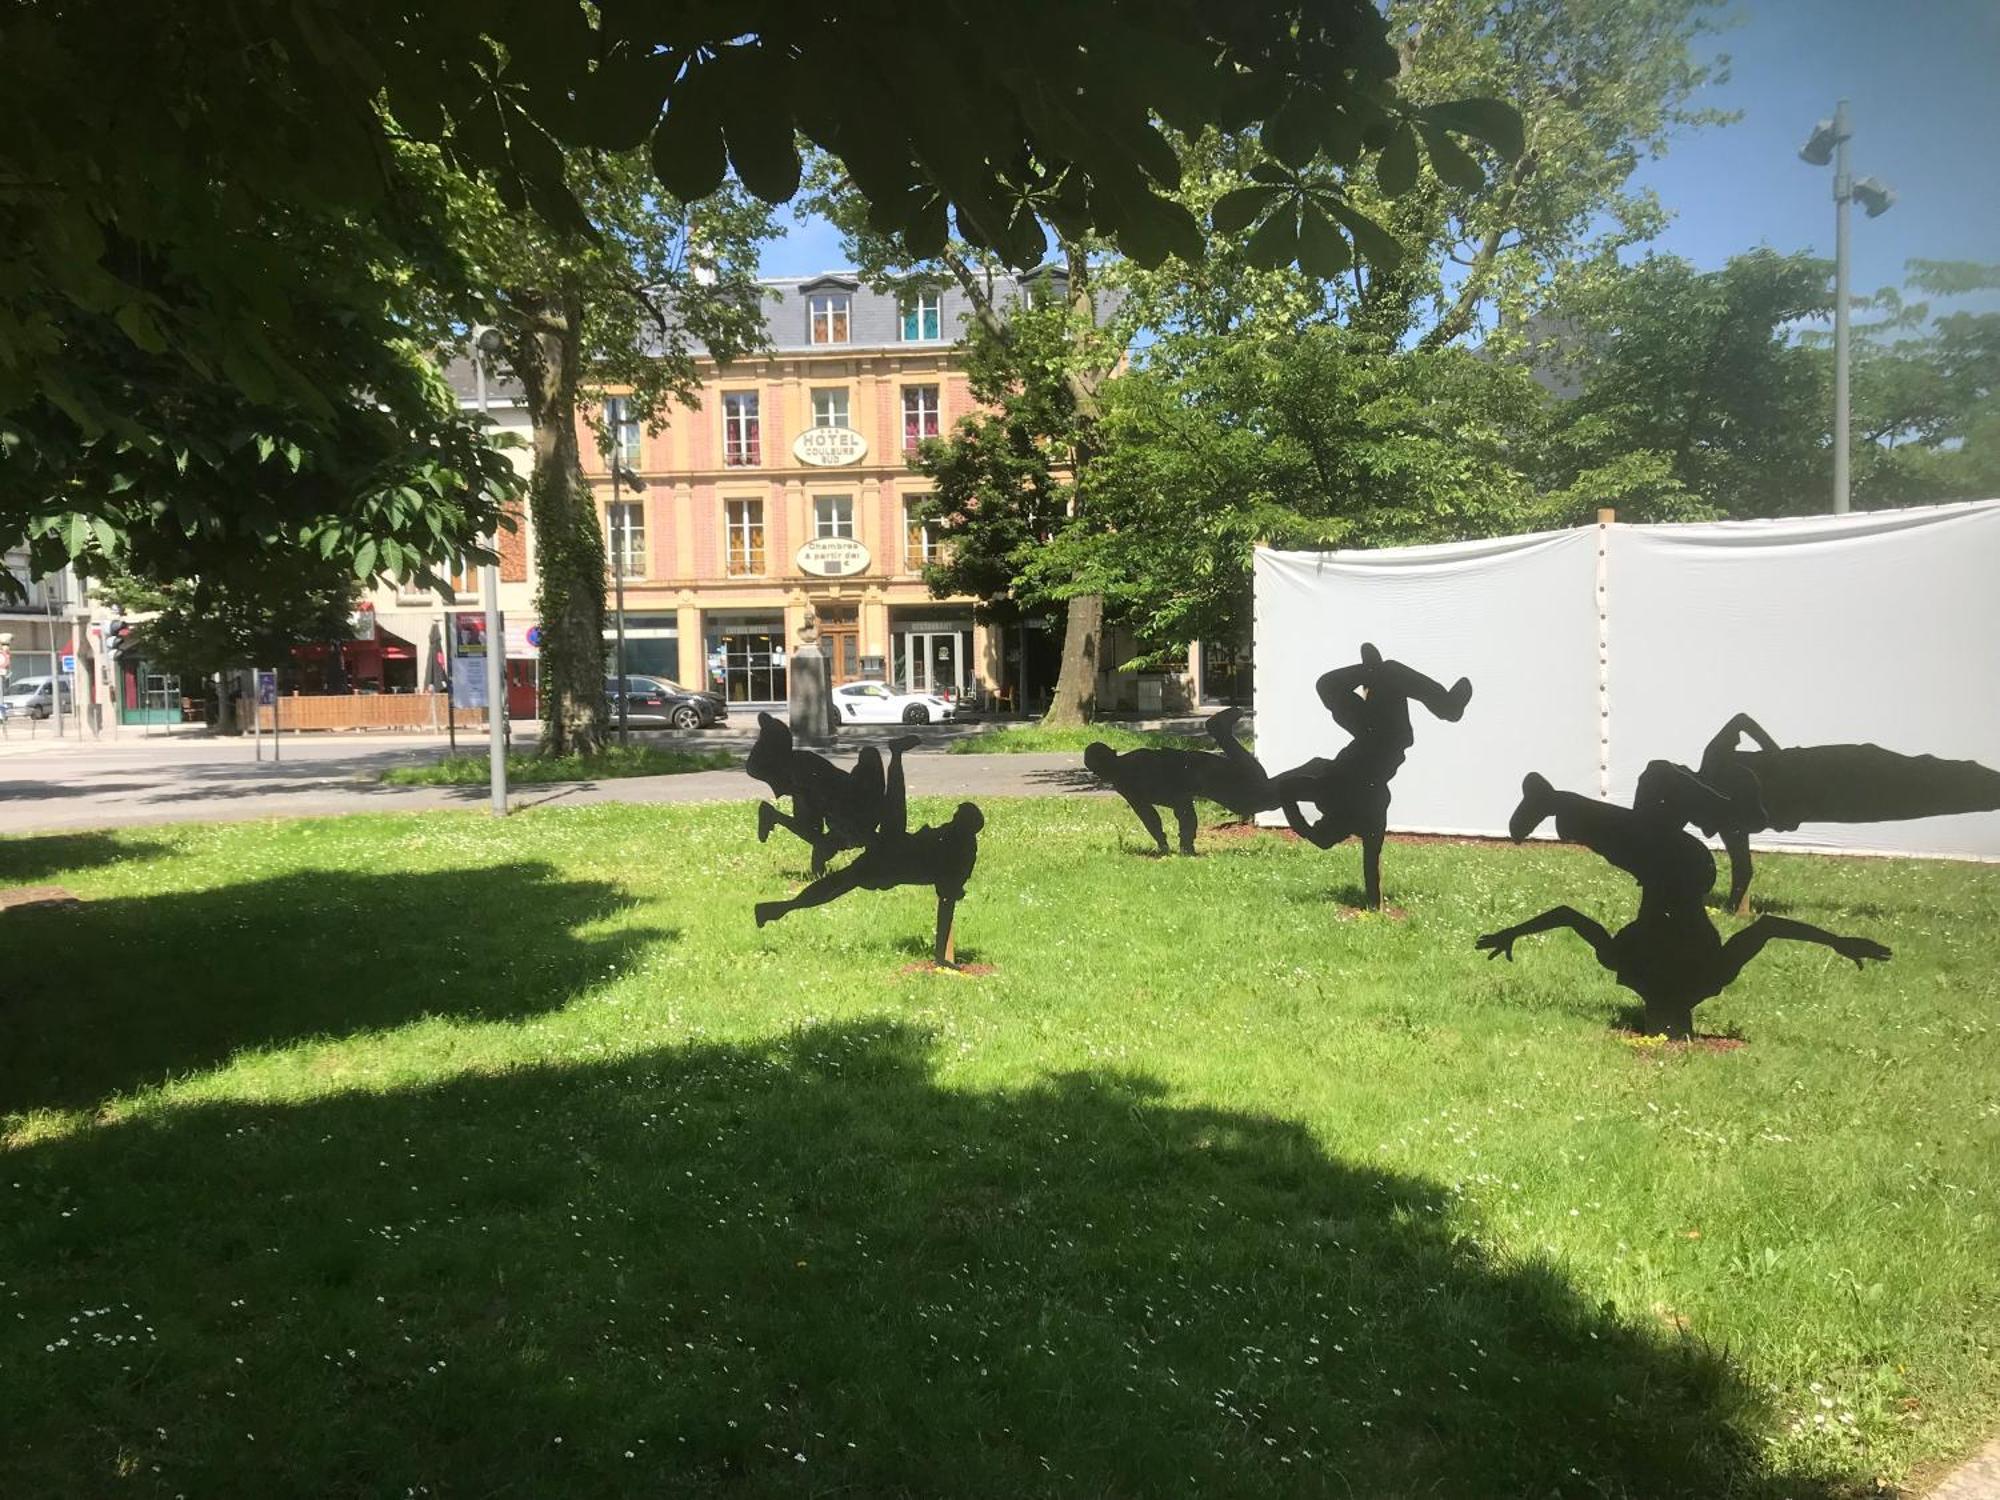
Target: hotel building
781,497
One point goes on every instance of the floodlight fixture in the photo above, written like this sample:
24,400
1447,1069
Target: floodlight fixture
1875,196
1818,149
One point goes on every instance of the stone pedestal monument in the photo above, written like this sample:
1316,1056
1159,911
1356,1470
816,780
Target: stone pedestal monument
810,676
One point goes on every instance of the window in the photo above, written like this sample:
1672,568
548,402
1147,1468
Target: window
920,414
461,573
625,528
828,314
625,437
920,317
740,431
833,515
746,537
920,547
746,657
830,407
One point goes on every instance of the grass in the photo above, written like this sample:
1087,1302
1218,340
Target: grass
429,1154
1034,739
530,770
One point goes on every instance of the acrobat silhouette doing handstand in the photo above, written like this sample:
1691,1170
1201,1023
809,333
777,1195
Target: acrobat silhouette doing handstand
1175,779
832,809
1670,954
1795,784
1371,701
941,856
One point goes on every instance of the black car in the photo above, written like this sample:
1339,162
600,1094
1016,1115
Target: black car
655,702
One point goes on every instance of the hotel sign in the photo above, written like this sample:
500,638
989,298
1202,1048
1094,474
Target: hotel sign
830,447
833,557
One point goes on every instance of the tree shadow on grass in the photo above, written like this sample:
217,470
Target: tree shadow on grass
154,986
25,861
807,1268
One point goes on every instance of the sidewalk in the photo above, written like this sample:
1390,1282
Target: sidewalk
1976,1479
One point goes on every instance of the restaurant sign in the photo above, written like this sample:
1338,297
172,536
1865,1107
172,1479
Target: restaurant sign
830,447
833,557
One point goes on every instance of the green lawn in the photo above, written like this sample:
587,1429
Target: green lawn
436,1155
1033,739
532,770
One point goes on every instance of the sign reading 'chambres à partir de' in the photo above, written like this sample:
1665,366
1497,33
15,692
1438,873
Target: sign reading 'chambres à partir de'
833,557
830,447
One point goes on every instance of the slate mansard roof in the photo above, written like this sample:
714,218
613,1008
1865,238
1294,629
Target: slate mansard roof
875,321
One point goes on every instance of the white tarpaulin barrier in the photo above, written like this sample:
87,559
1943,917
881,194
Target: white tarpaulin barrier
1596,650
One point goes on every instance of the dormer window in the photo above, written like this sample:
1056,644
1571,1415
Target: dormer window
922,317
826,314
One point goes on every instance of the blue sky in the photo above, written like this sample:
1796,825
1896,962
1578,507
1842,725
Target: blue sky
1922,80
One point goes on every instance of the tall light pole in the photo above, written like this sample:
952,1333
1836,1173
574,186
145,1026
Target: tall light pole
1829,144
621,530
486,342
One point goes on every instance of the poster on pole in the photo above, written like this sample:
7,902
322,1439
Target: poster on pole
466,641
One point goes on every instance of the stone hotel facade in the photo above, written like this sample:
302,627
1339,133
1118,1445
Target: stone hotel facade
782,498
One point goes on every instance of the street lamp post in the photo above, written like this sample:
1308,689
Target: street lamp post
486,342
1829,144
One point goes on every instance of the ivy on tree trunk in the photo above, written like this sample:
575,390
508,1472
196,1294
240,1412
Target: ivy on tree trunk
546,345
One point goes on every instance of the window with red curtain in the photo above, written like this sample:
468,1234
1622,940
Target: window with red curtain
740,429
920,414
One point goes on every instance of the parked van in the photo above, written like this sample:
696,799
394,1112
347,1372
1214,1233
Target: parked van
29,698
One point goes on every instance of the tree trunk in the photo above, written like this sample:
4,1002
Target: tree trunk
1075,700
545,346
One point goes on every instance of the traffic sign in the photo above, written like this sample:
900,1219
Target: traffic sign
68,662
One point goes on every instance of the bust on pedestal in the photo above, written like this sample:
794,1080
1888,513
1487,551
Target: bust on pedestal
810,681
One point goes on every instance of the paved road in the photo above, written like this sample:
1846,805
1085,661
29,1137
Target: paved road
1979,1479
48,784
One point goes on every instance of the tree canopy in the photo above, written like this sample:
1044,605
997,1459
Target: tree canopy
200,625
625,306
1306,380
192,189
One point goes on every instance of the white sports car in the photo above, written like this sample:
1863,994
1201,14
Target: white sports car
879,703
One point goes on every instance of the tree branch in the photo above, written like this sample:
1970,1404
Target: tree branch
1473,291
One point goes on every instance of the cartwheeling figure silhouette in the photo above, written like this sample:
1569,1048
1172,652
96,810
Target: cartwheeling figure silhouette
1371,701
832,809
1794,784
1175,779
939,856
1670,955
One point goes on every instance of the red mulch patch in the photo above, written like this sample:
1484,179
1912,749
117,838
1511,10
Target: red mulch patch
1248,831
1699,1044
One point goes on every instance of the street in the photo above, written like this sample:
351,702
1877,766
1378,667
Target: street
49,784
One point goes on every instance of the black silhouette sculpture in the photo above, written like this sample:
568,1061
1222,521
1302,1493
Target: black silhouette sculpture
1175,779
1371,701
832,809
940,856
1828,784
1670,955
